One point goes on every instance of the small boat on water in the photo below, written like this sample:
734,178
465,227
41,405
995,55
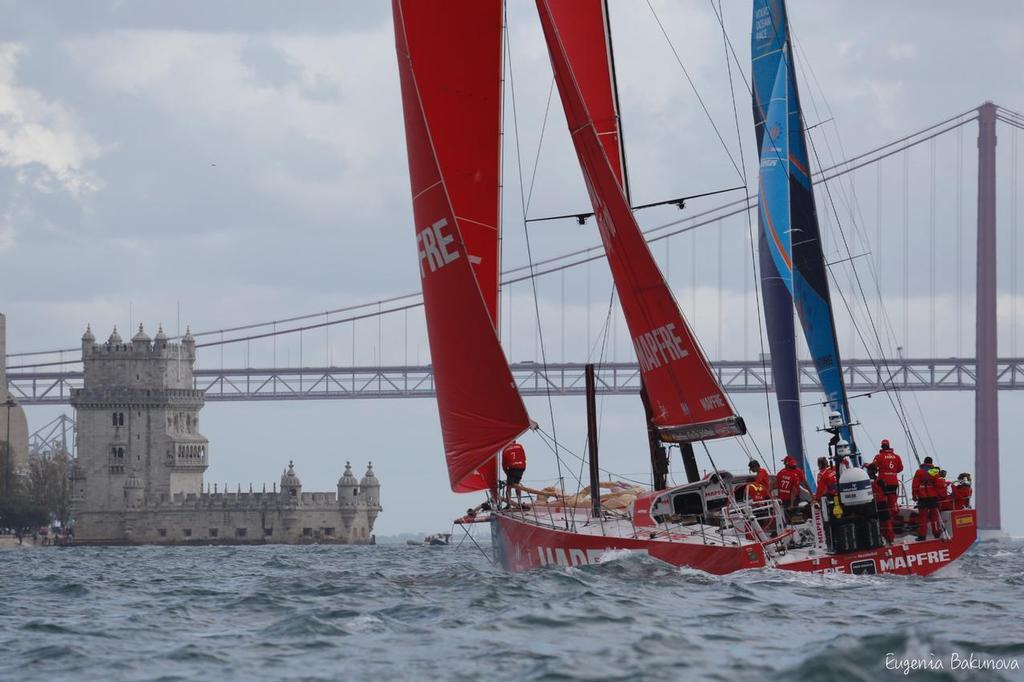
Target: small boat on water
450,64
435,540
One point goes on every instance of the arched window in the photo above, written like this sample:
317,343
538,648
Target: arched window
114,419
120,418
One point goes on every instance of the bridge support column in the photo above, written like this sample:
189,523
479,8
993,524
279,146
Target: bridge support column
986,395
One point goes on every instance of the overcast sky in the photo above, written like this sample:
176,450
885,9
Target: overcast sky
245,161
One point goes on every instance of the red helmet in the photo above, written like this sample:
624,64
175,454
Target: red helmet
885,443
789,461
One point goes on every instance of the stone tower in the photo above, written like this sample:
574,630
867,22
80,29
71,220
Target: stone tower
138,426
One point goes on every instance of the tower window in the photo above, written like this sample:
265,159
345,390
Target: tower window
241,532
162,532
268,532
187,532
213,532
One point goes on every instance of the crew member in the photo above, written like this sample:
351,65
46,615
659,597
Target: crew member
881,504
945,501
827,484
789,482
890,466
761,476
513,461
925,490
962,492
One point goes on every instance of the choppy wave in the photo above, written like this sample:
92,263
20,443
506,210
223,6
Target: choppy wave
400,612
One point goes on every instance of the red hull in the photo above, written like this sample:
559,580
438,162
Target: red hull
521,545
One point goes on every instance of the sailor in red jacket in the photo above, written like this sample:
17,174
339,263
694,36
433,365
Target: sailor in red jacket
881,504
945,500
827,484
789,482
925,489
962,492
760,475
890,466
513,461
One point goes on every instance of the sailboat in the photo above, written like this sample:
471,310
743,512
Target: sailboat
450,66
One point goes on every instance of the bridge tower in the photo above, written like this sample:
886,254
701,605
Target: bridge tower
986,392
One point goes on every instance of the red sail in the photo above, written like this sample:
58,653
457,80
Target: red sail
449,61
456,49
687,402
583,28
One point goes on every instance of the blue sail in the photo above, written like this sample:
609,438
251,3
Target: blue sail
774,241
808,283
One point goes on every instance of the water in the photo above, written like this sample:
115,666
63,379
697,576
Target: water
394,612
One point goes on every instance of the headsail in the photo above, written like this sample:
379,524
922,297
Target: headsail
687,402
449,61
775,77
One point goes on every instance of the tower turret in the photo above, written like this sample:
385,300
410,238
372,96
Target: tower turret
369,488
348,495
160,340
115,338
88,340
134,491
291,486
141,340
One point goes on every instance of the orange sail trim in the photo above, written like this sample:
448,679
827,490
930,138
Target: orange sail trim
687,402
583,29
480,408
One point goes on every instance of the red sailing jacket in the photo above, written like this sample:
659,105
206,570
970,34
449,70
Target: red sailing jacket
513,457
890,465
925,485
827,483
762,479
789,481
961,495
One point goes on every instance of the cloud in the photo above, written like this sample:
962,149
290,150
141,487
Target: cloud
41,138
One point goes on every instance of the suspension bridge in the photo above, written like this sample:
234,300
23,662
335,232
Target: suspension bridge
921,301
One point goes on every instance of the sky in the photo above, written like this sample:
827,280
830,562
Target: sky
217,164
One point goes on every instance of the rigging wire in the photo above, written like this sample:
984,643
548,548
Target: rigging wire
693,86
529,250
750,236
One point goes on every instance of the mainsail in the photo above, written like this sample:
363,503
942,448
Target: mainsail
795,261
449,62
583,28
687,402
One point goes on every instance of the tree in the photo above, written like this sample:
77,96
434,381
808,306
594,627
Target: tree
47,485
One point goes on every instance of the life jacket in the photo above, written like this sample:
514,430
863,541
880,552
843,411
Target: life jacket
827,483
788,481
925,484
961,495
513,457
890,465
756,491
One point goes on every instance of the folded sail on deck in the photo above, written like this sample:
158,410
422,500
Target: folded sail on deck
775,80
449,62
687,402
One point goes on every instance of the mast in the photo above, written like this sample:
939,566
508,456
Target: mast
595,471
790,232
